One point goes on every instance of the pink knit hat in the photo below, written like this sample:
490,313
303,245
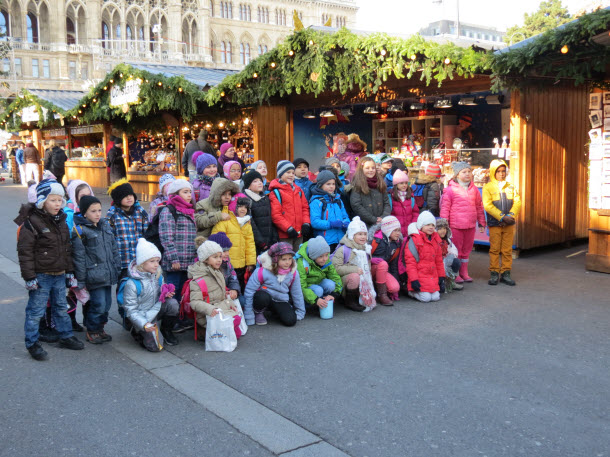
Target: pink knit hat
400,176
433,169
227,167
225,147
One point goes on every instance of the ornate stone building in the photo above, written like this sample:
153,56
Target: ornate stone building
69,44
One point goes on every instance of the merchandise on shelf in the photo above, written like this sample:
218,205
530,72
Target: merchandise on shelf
153,152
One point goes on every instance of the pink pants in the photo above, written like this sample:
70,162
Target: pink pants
351,281
381,276
463,240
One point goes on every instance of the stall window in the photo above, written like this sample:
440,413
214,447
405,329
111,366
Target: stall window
35,70
84,70
72,69
18,69
46,71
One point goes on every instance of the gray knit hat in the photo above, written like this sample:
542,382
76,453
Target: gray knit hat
344,167
459,166
329,162
324,176
316,247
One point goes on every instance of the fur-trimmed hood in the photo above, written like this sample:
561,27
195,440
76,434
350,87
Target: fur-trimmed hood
219,187
443,223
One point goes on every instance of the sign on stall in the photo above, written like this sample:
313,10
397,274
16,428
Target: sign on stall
130,93
97,128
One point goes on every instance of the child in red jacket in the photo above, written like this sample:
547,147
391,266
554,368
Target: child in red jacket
289,206
424,259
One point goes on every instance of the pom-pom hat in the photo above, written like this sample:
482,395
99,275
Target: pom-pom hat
222,239
145,250
356,226
208,248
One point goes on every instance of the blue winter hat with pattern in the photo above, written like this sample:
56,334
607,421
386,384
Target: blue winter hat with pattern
283,166
48,187
166,178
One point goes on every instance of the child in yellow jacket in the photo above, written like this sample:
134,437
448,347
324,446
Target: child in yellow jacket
502,205
239,230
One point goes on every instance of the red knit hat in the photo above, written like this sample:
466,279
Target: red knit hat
433,169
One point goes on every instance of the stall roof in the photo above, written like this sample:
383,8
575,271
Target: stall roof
64,99
202,77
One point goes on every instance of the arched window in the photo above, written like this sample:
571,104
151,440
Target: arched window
70,31
247,53
223,52
128,33
212,8
5,28
249,14
266,15
105,35
230,15
229,55
32,28
117,32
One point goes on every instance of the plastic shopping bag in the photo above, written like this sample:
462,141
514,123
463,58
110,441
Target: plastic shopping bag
240,312
220,334
367,294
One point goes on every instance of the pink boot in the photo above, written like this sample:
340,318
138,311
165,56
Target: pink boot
463,273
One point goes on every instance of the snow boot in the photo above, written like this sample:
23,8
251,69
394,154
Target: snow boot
493,280
382,295
464,273
506,279
351,300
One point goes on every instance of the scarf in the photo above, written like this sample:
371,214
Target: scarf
283,271
242,220
205,179
402,195
465,185
181,205
372,182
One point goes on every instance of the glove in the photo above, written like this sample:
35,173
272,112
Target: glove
455,265
31,284
292,233
416,286
345,225
71,280
336,224
441,284
306,230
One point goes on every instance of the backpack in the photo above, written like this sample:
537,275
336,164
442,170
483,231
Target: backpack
121,292
152,231
418,195
324,205
347,252
185,302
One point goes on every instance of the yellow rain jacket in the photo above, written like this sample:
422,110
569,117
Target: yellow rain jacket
499,199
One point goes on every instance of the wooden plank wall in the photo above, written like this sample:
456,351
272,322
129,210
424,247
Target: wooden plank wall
271,136
549,133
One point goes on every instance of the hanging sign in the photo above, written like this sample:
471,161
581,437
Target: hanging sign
130,93
97,128
30,114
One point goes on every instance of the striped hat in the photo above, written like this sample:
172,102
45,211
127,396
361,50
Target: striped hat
283,166
48,187
433,169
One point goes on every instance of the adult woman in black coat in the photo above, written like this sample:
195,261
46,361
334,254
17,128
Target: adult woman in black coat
115,162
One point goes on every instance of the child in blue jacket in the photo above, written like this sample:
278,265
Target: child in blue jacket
328,216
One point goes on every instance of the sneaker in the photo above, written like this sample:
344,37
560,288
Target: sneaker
183,326
105,337
259,319
493,280
48,335
457,286
169,337
506,279
71,343
37,352
94,337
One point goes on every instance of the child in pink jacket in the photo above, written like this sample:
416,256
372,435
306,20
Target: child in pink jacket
463,207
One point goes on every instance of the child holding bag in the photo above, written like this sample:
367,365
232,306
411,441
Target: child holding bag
353,263
368,198
275,286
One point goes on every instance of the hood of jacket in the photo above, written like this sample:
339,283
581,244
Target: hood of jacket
315,191
72,189
219,187
265,260
423,178
28,209
276,184
493,167
134,273
442,223
413,229
199,269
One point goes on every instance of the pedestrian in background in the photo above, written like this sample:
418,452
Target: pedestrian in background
31,157
55,160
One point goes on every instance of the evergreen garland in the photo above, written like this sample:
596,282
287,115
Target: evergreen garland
11,119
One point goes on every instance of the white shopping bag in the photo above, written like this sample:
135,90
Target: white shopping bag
240,312
220,333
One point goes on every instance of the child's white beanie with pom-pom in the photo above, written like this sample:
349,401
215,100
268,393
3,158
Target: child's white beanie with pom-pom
145,250
207,249
356,226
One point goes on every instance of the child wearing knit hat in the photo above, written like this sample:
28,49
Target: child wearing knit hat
148,305
424,260
319,279
44,249
207,171
265,233
232,171
289,206
228,271
404,206
385,251
275,285
208,270
261,167
301,173
161,197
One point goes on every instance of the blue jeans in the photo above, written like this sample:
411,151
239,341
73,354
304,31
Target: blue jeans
97,309
326,287
51,287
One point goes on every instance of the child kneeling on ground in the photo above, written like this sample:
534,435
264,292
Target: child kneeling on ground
425,268
319,279
275,286
148,301
385,251
217,299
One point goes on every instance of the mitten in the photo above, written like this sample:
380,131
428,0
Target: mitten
441,284
416,286
31,284
345,225
455,265
71,281
336,224
306,230
292,233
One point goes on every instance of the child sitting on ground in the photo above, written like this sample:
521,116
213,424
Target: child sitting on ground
275,286
385,251
424,260
227,269
207,172
93,242
353,263
161,197
450,255
319,279
209,212
208,269
148,301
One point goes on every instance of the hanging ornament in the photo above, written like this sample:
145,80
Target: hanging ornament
125,108
314,76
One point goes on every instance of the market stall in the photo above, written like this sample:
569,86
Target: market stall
86,155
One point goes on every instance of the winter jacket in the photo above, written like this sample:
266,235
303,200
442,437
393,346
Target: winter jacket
282,288
127,228
310,273
198,144
462,207
265,233
115,162
55,160
43,242
19,157
160,199
230,276
243,251
306,186
208,212
201,188
31,154
217,292
387,250
177,236
428,190
291,211
499,199
345,268
333,211
406,212
430,266
370,206
95,253
144,307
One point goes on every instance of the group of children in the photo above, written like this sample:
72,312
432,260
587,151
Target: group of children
252,249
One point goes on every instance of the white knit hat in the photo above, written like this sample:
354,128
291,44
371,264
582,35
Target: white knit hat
356,226
207,249
425,218
177,185
412,230
389,224
145,250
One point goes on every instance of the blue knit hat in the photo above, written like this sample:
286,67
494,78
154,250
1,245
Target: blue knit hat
166,178
204,161
222,239
48,187
283,166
